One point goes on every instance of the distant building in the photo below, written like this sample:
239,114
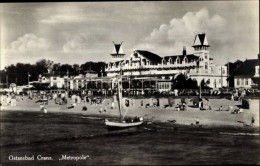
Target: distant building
231,68
145,64
247,74
48,80
90,73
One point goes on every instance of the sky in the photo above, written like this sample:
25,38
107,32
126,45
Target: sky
77,32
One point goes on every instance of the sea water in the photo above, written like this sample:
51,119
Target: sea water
73,139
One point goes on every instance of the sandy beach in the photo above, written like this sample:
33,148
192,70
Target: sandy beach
157,114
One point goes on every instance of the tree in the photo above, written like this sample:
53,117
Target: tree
182,82
204,85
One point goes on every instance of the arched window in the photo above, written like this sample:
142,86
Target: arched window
135,55
185,60
163,61
178,60
170,60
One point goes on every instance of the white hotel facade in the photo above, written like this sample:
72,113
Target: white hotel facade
146,65
146,71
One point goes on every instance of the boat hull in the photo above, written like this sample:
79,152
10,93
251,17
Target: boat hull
122,125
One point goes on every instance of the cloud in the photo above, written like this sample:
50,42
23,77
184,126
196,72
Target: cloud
29,42
24,49
77,43
169,38
62,18
71,13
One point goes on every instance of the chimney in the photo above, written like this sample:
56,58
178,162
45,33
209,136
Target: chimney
184,51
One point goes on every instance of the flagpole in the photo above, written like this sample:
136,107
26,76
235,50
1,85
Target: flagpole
28,80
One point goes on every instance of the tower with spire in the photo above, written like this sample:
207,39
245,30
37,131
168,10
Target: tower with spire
117,52
201,49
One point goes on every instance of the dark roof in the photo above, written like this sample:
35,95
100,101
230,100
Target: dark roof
201,38
117,47
247,68
149,55
190,57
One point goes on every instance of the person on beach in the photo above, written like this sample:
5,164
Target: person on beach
72,106
84,108
220,108
100,110
197,121
232,97
252,122
112,105
201,105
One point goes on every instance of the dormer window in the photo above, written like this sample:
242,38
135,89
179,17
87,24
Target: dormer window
135,55
170,60
185,60
163,62
178,60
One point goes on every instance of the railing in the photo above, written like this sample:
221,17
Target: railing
152,66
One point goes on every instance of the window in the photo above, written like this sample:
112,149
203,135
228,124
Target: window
144,61
223,71
178,61
238,81
164,62
54,78
242,81
206,65
246,83
170,60
206,56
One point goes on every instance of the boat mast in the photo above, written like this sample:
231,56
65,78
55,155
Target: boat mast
119,93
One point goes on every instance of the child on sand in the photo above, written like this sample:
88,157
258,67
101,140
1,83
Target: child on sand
197,121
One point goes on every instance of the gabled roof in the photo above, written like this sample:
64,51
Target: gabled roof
247,68
149,55
201,39
190,57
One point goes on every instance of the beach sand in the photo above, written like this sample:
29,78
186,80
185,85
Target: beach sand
157,114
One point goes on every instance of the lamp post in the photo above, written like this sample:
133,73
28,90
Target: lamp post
28,80
259,71
200,88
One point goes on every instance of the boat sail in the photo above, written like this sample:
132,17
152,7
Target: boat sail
121,124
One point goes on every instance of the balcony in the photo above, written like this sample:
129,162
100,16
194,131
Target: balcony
161,66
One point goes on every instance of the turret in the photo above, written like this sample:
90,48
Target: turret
201,49
117,52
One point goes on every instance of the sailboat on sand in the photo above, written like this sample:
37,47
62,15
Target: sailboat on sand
121,123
